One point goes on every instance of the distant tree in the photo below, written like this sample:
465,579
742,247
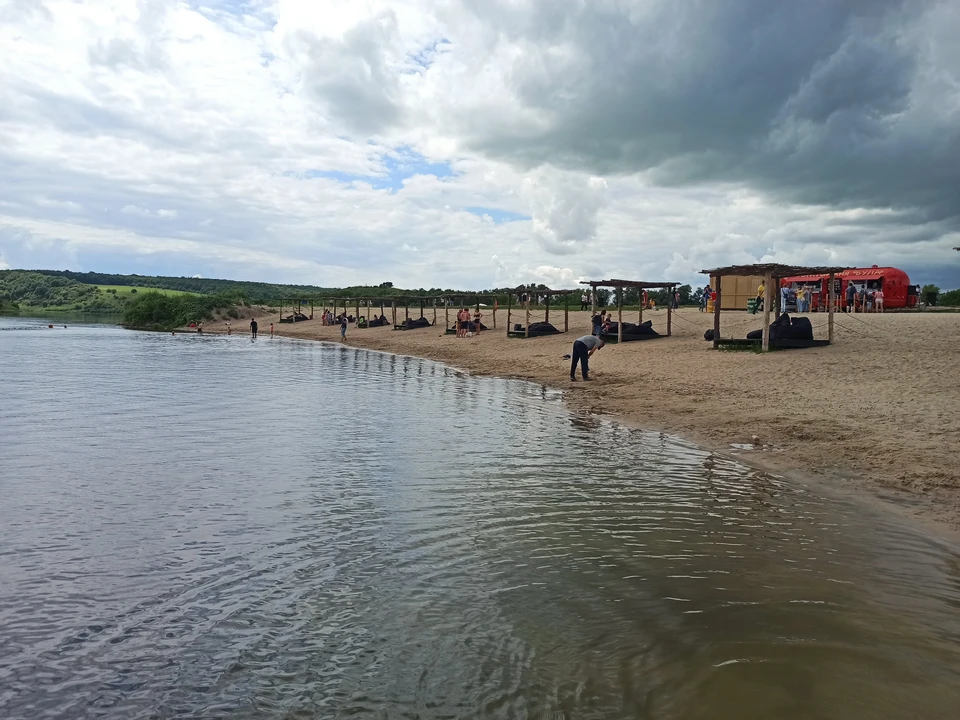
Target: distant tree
385,285
930,289
951,298
133,291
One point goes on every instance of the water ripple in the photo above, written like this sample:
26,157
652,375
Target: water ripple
204,527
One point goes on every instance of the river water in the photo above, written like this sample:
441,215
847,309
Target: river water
206,527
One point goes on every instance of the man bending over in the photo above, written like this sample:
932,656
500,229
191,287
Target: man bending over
583,348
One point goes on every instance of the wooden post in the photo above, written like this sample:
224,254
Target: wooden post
434,312
446,315
620,314
358,309
393,310
672,292
716,316
406,309
566,313
526,330
830,312
767,299
509,308
778,298
494,313
546,317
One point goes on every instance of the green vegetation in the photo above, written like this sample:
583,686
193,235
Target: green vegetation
21,289
125,291
951,298
158,311
36,290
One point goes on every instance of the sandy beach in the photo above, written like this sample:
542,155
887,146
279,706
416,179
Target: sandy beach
876,414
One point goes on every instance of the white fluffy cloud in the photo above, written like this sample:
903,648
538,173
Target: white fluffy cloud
472,144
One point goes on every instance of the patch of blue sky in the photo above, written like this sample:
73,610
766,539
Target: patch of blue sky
261,10
399,166
425,57
498,216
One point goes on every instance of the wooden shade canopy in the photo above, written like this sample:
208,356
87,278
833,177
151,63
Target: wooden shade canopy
474,300
771,273
565,294
639,285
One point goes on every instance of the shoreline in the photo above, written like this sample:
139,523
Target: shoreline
872,416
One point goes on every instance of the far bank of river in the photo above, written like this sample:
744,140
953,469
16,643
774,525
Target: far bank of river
874,414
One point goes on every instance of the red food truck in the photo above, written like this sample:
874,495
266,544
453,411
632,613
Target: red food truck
897,290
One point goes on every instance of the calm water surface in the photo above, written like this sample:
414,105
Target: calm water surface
207,527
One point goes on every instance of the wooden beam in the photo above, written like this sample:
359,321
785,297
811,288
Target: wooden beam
566,313
435,313
546,317
767,290
509,308
526,329
831,292
670,316
716,316
393,309
446,315
619,313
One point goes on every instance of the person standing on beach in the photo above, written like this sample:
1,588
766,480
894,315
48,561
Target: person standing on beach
583,301
583,348
253,328
878,300
851,292
271,329
343,327
597,323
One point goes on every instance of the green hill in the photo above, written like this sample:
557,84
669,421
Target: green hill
36,290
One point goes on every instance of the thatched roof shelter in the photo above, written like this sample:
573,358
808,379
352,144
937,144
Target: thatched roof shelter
638,285
771,273
536,291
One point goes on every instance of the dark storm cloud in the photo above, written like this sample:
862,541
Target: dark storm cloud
840,103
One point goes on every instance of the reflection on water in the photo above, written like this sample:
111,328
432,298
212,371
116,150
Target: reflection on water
201,527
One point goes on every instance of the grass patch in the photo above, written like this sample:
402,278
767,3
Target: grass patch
131,291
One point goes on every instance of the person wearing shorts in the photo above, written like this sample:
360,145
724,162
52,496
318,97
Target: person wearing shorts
878,300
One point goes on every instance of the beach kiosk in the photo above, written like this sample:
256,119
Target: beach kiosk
772,274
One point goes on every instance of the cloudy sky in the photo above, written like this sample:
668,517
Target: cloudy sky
478,143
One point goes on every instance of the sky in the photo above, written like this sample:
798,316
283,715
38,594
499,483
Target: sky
478,143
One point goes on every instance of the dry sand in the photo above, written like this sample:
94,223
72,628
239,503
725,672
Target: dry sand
877,413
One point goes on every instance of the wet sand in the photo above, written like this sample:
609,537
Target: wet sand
877,413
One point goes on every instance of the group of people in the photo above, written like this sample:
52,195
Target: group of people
857,299
463,322
863,300
600,323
